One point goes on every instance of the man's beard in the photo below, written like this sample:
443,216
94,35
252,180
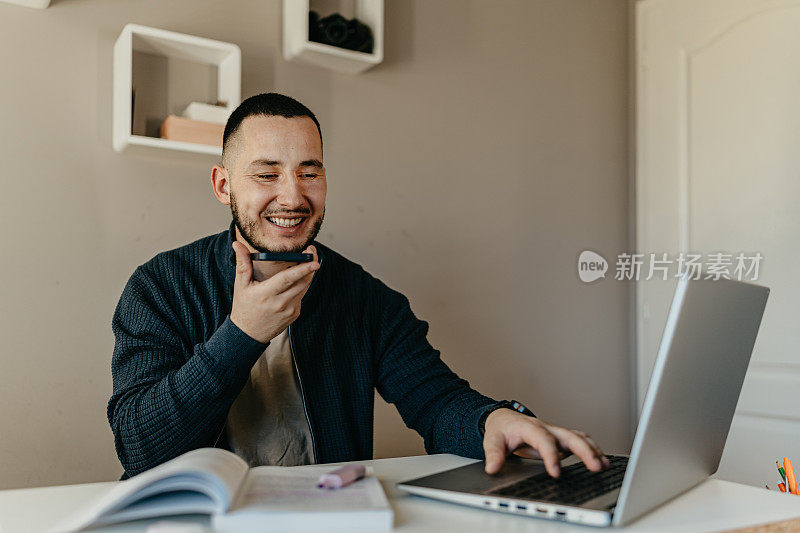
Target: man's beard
249,230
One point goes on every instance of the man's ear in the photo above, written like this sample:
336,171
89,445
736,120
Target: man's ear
221,184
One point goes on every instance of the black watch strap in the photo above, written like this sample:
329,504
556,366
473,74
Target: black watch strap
505,404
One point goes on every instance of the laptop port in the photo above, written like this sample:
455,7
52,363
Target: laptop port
561,515
541,510
522,507
487,502
504,504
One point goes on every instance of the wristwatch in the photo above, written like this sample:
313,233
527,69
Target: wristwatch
505,404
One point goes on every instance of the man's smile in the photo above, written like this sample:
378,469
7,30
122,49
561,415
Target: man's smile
286,223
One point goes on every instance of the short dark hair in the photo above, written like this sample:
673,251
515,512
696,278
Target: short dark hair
268,104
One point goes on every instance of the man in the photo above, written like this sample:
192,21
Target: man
278,361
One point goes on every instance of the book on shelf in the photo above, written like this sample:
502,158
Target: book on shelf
177,128
218,114
218,483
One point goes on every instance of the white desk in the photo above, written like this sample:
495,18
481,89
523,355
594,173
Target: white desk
712,506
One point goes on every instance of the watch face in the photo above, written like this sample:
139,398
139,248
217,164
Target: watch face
521,408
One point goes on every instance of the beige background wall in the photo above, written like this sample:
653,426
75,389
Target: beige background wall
468,171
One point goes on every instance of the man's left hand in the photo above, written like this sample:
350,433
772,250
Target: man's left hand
509,431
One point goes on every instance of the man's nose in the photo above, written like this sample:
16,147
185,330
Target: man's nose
290,193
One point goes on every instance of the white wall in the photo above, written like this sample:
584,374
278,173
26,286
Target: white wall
468,171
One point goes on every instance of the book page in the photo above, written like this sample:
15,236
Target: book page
284,489
213,475
224,465
215,472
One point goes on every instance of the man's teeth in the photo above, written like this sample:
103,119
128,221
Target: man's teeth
285,222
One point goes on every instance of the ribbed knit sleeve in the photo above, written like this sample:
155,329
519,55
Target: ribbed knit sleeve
170,396
430,397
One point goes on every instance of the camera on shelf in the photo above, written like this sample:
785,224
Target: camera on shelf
335,30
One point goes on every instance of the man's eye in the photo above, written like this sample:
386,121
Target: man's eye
309,175
267,176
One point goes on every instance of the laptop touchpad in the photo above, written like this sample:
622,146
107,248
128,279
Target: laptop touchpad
473,477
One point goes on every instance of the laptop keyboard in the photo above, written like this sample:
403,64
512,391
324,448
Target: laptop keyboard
576,484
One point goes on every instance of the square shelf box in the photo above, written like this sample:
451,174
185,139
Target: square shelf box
226,57
297,47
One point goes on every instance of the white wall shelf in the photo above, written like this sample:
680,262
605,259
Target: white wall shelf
226,57
297,47
38,4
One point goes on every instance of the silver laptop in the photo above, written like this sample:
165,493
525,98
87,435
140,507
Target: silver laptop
687,412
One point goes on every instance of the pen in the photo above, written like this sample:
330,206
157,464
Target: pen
342,477
790,479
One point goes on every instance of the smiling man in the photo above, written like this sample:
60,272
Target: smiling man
279,362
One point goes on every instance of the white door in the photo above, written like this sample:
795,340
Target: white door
718,170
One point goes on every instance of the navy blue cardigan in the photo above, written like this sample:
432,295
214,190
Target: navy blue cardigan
179,362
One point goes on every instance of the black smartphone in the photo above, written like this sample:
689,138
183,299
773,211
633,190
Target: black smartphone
293,257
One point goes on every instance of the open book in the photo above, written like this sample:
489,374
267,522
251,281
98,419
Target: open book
219,483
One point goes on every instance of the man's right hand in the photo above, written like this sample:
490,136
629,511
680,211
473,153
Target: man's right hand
263,309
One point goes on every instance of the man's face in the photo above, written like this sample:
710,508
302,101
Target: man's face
277,183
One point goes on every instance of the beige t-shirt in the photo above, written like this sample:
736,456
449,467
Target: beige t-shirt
267,422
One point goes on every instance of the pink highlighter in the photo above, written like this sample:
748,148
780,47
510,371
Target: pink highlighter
342,477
